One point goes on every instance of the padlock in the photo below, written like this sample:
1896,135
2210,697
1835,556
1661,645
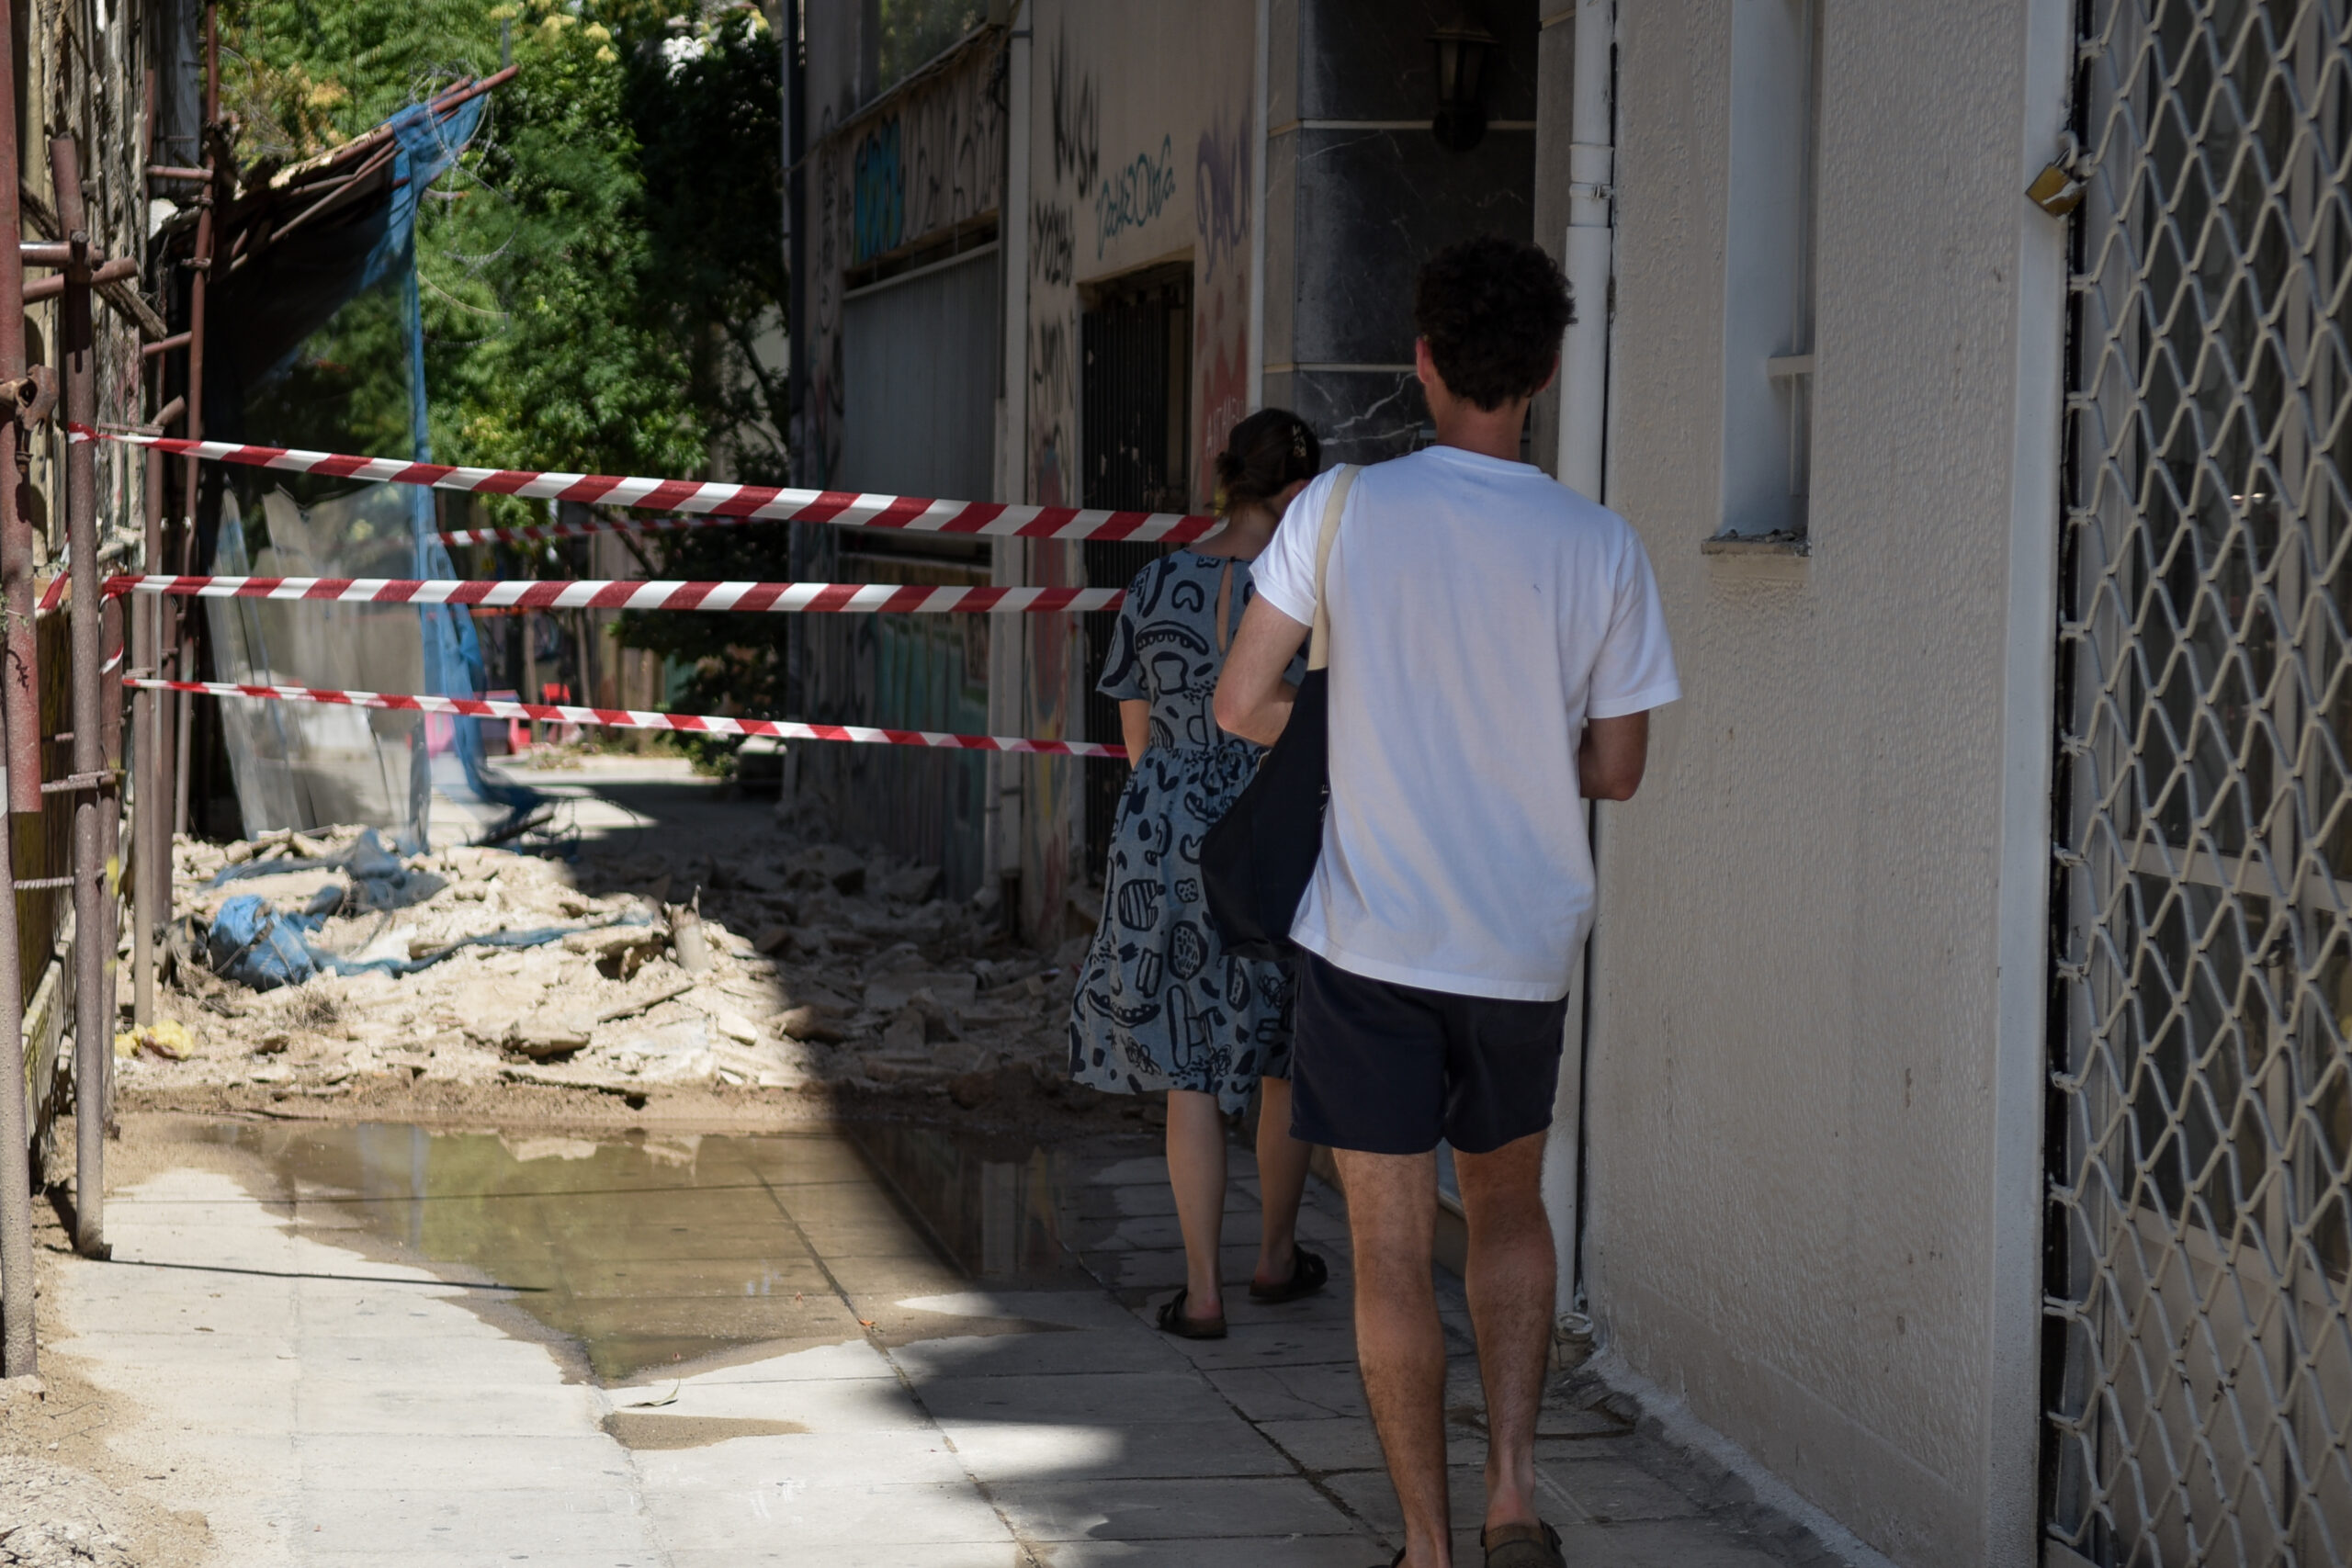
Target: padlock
2056,191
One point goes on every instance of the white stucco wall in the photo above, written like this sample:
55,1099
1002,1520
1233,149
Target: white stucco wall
1805,1217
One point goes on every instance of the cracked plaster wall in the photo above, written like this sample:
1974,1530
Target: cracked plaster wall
1791,1073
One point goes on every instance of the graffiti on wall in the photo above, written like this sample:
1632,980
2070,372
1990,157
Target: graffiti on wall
1074,138
1221,194
1077,124
1134,195
922,161
1053,399
1221,297
879,193
1053,250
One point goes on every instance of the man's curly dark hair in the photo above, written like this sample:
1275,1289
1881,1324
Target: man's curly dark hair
1493,311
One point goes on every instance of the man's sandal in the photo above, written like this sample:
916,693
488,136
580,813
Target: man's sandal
1522,1546
1173,1321
1308,1274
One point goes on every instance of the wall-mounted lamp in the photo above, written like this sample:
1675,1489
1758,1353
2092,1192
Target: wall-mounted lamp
1462,47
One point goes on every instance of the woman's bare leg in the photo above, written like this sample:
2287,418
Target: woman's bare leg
1196,1171
1281,1180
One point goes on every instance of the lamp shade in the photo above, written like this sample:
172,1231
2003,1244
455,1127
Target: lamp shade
1460,49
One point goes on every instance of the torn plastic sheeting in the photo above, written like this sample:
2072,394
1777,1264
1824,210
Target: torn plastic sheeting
258,945
379,879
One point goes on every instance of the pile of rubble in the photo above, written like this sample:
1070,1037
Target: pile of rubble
52,1517
781,968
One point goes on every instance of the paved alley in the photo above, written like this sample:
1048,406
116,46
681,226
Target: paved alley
286,1361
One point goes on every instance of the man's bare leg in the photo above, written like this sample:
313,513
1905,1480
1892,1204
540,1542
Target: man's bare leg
1400,1346
1509,1280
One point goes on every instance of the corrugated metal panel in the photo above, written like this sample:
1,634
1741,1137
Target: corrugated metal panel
919,381
919,378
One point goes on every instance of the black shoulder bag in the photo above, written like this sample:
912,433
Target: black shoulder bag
1258,857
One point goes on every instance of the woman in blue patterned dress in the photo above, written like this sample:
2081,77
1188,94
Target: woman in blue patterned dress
1160,1003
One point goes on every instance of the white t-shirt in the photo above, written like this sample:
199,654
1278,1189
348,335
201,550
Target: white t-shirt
1480,613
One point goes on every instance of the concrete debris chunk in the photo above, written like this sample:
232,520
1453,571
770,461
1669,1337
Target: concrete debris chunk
913,885
553,1075
891,992
542,1041
686,939
807,1022
607,941
833,865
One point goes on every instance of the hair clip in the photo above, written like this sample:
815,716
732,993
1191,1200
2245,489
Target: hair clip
1298,439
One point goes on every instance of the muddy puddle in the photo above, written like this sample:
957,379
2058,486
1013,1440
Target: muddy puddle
657,1250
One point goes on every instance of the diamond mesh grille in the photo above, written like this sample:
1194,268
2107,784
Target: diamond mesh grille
2199,1375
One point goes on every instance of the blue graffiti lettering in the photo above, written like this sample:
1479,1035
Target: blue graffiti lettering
878,195
1134,196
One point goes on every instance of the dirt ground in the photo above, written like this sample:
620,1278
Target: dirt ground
66,1499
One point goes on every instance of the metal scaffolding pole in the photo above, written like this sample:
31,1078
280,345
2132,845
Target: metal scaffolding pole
150,829
18,1353
93,1008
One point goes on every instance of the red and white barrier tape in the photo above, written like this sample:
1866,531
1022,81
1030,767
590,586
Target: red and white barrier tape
762,503
630,719
778,598
533,533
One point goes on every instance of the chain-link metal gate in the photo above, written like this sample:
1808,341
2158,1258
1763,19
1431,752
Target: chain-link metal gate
2199,1375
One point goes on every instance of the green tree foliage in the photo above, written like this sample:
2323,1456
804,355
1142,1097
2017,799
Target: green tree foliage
602,276
709,119
556,337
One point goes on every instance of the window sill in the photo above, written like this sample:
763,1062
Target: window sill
1756,544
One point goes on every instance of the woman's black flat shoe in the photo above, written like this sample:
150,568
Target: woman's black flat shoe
1308,1274
1173,1321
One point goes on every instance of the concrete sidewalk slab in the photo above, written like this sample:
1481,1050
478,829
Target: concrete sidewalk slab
324,1406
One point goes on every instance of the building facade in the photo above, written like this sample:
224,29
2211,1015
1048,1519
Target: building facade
1056,262
1957,1120
1964,1130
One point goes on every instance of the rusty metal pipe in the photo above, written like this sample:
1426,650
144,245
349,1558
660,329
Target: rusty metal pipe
19,1352
54,287
150,885
164,346
93,1008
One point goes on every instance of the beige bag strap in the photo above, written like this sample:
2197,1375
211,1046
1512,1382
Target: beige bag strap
1318,641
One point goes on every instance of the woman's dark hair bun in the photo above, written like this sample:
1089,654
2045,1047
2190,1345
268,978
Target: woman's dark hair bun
1266,454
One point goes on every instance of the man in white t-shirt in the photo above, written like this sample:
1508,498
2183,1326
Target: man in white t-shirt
1496,648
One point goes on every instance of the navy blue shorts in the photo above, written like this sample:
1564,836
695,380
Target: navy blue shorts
1389,1069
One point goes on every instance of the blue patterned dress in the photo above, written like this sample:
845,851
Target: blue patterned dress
1159,1005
